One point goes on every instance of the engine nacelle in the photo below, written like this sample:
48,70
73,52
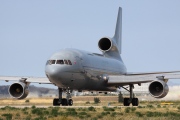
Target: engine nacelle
158,89
19,90
106,44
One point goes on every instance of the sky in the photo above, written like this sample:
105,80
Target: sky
31,31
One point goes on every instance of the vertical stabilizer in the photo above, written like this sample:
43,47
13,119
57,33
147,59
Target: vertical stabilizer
111,47
118,31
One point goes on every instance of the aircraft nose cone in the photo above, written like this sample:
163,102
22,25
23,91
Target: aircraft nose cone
51,72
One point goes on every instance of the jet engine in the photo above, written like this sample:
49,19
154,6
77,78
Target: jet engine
19,90
107,44
158,89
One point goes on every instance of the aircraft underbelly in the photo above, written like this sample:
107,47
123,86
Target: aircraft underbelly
93,82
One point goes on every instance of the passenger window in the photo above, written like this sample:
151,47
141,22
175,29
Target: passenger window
60,62
69,62
66,62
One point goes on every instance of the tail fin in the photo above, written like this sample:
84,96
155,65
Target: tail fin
118,32
111,47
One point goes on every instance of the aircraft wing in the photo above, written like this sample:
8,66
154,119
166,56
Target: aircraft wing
40,80
138,78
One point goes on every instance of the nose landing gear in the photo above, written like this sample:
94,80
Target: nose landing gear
63,101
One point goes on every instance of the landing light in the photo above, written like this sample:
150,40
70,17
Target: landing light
105,77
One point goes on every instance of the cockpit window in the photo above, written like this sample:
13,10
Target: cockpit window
50,62
66,62
60,62
47,62
69,62
53,61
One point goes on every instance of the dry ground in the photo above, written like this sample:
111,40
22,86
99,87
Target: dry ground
79,100
147,110
156,111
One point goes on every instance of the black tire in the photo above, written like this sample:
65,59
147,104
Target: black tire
135,101
126,102
56,102
70,102
64,102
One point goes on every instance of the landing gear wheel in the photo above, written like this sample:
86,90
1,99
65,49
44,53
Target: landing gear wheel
126,102
70,102
131,99
135,101
56,102
64,102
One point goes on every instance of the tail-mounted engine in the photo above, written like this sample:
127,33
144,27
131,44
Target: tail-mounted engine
158,89
107,44
19,90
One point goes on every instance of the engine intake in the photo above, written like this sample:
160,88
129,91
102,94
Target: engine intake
19,90
158,89
105,44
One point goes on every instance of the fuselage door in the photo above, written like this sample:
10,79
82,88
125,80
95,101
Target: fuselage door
79,64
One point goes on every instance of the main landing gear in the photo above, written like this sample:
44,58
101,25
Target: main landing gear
63,101
128,101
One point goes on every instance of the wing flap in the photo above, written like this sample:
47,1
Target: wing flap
125,80
148,73
40,80
141,78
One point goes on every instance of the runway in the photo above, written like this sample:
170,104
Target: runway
42,106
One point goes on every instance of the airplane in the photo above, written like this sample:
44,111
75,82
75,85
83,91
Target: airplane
73,69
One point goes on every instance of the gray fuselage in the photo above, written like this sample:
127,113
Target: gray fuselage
81,70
